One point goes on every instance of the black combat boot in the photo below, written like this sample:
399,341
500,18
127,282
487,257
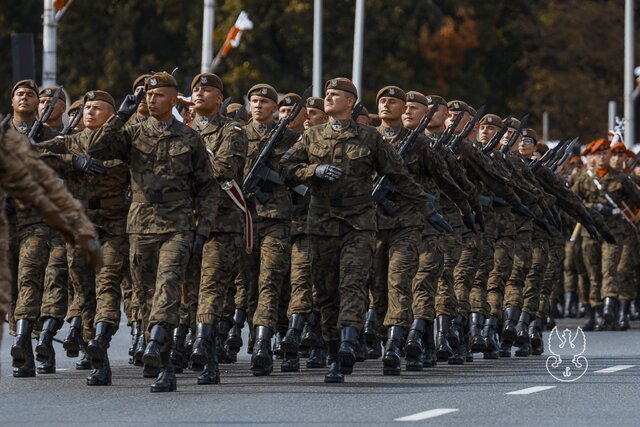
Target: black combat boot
277,340
84,364
335,374
460,353
634,309
414,348
290,362
622,323
139,351
535,335
291,341
252,339
22,351
151,356
311,334
44,349
590,323
429,345
455,331
71,343
391,363
317,357
177,349
166,380
504,350
444,351
201,346
262,358
490,333
522,328
477,342
609,312
509,332
102,375
370,331
347,350
523,348
569,305
210,371
234,338
188,341
224,327
136,332
374,351
361,348
599,319
97,347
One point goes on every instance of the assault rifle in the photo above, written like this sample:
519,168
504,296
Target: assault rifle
46,115
73,123
514,136
466,130
495,139
448,132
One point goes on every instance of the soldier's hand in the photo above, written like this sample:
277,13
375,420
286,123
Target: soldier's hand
469,221
88,165
198,244
129,105
608,237
548,215
521,209
480,220
92,251
329,172
439,223
542,222
593,231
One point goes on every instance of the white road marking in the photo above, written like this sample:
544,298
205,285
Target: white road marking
531,390
62,369
613,369
427,414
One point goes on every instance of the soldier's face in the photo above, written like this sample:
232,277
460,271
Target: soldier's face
262,109
298,122
507,135
161,101
486,133
206,99
413,113
315,116
363,120
617,160
338,102
24,101
526,147
390,108
603,158
96,113
143,108
80,126
58,110
452,118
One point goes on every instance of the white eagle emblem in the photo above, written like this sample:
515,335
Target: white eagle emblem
153,81
571,346
203,80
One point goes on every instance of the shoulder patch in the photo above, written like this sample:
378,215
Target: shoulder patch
237,128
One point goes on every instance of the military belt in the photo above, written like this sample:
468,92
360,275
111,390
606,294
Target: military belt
158,197
341,202
110,203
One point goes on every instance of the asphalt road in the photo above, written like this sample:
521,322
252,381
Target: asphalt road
516,391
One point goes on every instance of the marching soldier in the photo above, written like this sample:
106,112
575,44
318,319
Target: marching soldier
55,120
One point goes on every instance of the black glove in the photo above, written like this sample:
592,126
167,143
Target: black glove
9,207
469,221
439,223
542,222
480,220
593,231
608,237
129,105
329,172
88,165
548,215
198,243
521,209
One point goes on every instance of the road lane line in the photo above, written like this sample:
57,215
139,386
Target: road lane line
427,414
613,369
531,390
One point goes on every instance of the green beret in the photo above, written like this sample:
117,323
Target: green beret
207,79
28,83
160,79
76,104
364,111
314,102
99,95
341,83
413,96
289,100
264,90
515,123
233,107
491,119
392,92
457,105
49,91
140,81
530,133
436,100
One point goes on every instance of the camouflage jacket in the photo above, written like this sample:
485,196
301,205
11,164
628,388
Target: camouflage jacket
360,151
279,205
226,144
103,196
172,182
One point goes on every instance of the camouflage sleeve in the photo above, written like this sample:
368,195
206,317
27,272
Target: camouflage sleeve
230,155
112,140
294,167
567,200
460,177
57,154
388,162
632,195
205,185
439,172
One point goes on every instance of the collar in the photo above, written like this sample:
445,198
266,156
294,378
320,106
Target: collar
262,128
160,126
339,125
23,126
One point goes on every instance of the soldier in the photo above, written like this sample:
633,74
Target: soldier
73,110
55,120
238,113
272,227
285,106
337,160
227,145
142,112
172,207
315,112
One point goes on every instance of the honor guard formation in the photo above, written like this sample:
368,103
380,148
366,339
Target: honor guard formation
431,232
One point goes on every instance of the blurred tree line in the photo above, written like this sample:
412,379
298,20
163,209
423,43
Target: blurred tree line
560,56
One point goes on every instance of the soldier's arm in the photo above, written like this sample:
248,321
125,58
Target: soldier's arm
229,158
566,199
459,174
487,173
113,140
205,186
294,167
439,172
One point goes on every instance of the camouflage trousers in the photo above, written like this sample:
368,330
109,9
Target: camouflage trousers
465,271
515,286
158,267
190,292
592,256
14,255
446,302
129,298
272,260
340,266
115,250
5,271
533,283
430,267
301,281
575,277
395,263
42,274
552,275
82,279
627,264
219,268
478,296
